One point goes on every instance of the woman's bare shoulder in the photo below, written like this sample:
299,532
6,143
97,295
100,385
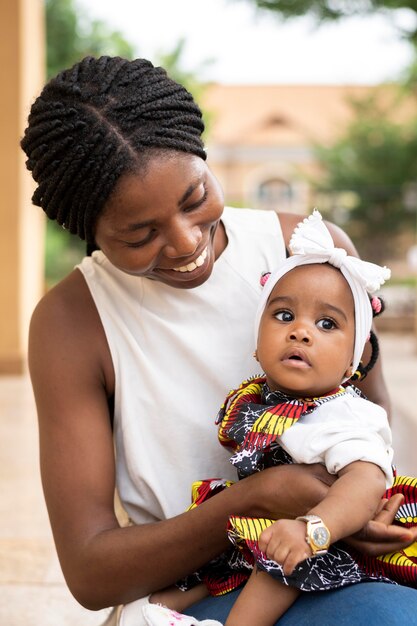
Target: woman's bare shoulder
65,324
69,294
66,311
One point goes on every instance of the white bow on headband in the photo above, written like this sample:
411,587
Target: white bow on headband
312,238
310,243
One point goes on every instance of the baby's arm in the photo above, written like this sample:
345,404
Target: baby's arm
350,503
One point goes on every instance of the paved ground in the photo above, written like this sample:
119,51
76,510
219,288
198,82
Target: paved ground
32,589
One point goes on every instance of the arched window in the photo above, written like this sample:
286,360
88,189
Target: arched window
275,194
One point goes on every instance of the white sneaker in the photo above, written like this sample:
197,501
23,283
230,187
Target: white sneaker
158,615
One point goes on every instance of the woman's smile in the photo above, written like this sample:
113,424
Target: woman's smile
194,271
194,264
167,232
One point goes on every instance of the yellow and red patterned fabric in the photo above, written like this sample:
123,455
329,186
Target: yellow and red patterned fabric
250,423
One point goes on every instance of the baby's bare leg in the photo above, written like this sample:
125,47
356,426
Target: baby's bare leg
262,601
178,600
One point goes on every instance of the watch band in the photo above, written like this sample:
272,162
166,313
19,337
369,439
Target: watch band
317,534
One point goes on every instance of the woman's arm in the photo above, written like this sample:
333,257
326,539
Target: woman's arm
103,563
373,386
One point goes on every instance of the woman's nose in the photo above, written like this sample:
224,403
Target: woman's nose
182,240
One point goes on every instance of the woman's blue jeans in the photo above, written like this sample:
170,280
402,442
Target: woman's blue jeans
364,604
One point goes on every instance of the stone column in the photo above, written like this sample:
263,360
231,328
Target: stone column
22,74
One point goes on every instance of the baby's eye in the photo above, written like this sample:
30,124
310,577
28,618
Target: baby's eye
326,324
284,316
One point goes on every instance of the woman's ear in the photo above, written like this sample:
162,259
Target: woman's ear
255,355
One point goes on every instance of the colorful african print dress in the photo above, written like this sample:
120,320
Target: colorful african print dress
251,422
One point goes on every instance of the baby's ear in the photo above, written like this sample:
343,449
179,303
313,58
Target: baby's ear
349,371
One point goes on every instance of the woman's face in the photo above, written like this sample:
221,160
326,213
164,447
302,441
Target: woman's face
162,222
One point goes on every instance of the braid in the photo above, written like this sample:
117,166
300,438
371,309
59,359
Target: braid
378,307
94,122
363,370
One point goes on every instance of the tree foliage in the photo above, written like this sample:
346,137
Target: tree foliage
332,10
72,35
370,176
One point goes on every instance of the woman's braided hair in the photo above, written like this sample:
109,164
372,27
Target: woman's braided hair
94,122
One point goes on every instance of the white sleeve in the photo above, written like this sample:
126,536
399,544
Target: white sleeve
341,431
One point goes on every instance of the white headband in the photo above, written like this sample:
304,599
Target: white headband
311,242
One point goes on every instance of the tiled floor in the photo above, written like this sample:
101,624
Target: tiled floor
399,354
32,589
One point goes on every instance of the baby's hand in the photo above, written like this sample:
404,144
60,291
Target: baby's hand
285,542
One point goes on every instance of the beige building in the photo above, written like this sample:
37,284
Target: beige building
261,136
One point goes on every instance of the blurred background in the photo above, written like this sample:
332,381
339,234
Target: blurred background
301,111
306,103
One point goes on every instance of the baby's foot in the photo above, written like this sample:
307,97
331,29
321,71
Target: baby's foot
157,615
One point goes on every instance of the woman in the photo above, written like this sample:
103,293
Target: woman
135,350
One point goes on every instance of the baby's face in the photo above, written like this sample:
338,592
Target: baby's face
307,331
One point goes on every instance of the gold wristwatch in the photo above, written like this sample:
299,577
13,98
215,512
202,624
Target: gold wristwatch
318,535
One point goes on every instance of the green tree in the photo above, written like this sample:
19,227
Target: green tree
71,34
332,10
369,175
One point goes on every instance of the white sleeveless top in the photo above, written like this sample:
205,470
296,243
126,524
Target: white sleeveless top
176,354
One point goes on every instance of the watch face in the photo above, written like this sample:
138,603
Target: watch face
320,536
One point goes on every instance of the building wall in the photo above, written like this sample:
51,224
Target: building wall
265,179
21,225
260,137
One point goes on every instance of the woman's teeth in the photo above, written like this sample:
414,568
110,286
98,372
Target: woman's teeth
192,266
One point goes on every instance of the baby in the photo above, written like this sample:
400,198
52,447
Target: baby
313,321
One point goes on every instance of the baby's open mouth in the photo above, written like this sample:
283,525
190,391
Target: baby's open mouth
296,355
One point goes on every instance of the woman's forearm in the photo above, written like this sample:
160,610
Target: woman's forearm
119,565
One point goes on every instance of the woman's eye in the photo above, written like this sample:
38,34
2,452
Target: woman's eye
326,324
142,242
284,316
197,203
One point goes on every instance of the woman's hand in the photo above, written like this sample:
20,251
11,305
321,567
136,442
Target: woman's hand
380,535
292,490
